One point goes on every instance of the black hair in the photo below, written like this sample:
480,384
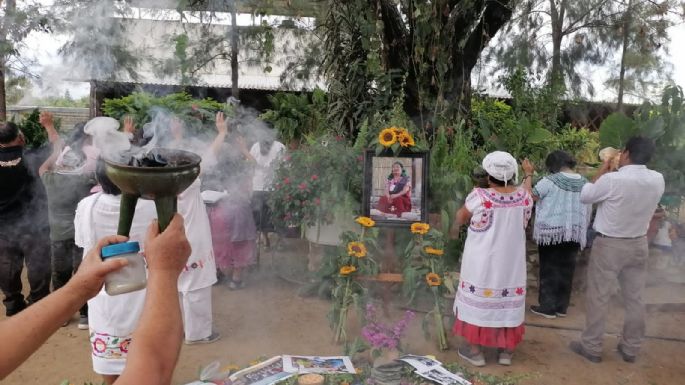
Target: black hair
101,176
500,183
8,132
640,149
77,138
556,160
403,173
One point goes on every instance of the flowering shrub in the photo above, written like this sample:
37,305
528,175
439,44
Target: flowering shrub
381,336
314,181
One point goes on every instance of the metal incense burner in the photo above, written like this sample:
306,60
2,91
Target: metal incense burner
161,183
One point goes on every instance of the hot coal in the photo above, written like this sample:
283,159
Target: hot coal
149,159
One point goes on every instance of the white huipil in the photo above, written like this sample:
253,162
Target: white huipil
199,274
111,319
492,287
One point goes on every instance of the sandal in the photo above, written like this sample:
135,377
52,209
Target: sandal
474,359
504,357
236,285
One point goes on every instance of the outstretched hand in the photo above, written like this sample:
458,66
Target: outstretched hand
46,119
129,125
221,126
528,166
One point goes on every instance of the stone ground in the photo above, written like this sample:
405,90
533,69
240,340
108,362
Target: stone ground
268,318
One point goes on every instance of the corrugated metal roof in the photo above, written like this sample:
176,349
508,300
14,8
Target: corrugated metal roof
245,82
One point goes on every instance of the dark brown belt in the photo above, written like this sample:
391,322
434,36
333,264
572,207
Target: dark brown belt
608,236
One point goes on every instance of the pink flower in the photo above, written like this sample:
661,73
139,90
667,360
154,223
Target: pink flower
338,138
286,180
360,158
317,201
303,186
99,345
315,177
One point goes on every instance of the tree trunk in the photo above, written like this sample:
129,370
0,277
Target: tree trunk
624,49
556,78
3,98
235,91
10,8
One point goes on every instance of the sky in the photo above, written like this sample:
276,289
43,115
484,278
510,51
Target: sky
43,48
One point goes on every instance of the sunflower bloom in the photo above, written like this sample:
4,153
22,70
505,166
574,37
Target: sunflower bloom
365,221
433,279
420,228
406,140
433,251
347,269
387,137
356,249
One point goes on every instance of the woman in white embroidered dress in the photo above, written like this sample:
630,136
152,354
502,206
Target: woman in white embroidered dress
490,300
112,319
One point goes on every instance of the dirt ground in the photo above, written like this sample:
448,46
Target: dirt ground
268,318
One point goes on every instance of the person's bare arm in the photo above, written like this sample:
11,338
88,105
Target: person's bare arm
156,342
57,143
462,217
605,168
529,169
404,191
221,132
25,332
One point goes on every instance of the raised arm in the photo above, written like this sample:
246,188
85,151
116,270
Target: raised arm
221,132
156,342
47,122
529,169
25,332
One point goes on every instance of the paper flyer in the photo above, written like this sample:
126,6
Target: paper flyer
321,365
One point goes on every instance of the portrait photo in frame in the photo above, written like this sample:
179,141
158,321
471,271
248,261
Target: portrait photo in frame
395,190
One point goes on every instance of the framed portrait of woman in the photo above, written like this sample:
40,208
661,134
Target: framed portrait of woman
395,190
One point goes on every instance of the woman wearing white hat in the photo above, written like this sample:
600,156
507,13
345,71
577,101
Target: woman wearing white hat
490,300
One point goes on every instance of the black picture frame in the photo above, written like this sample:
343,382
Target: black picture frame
375,173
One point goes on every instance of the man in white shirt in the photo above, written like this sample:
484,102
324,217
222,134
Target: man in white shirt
266,154
626,201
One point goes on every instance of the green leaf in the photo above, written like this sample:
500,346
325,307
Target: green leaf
616,129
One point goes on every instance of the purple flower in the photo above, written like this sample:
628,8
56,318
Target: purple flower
379,335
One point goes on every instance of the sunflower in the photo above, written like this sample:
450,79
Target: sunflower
406,140
365,221
433,251
433,279
356,249
420,228
387,137
347,269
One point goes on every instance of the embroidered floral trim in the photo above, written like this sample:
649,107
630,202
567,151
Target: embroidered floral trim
109,347
197,265
483,223
508,303
10,163
495,199
485,292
